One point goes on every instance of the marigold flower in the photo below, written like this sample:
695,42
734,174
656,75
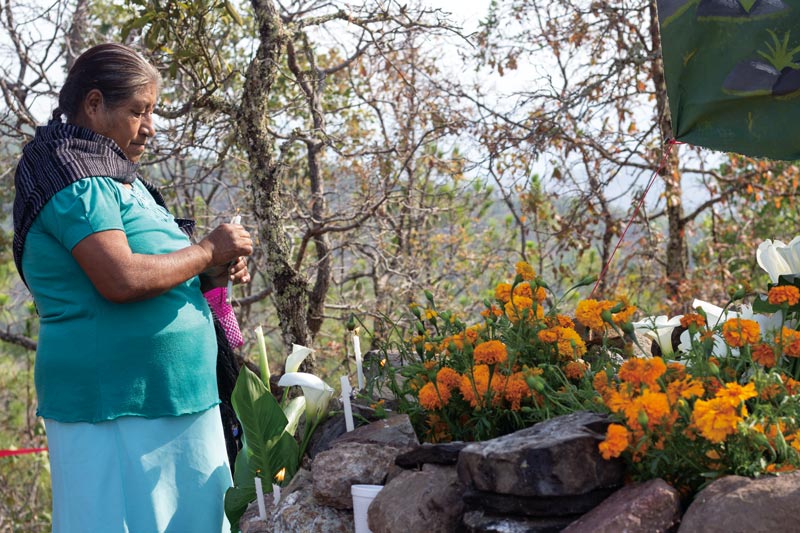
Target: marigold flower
575,370
541,294
516,390
764,355
624,316
490,352
652,368
432,399
429,364
600,382
740,331
784,294
448,378
570,344
502,292
472,332
792,386
548,335
474,388
631,371
655,407
615,443
493,311
523,289
525,270
430,313
693,318
518,306
565,321
589,313
715,418
675,371
790,342
686,388
736,394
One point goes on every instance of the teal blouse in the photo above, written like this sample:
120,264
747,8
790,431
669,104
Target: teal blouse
98,360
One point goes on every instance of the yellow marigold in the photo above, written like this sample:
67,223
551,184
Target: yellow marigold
430,313
736,394
448,378
570,344
524,289
693,318
490,352
575,370
516,390
740,331
764,355
715,419
502,292
548,335
784,294
589,313
685,388
431,399
525,270
615,443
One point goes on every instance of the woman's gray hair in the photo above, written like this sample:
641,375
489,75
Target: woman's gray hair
116,70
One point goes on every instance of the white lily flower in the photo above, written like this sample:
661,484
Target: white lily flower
316,392
296,358
659,328
778,258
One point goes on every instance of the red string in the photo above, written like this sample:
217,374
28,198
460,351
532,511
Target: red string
22,451
670,144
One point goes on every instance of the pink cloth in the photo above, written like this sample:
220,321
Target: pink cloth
218,301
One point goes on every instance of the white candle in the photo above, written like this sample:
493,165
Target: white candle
262,511
359,368
348,411
276,493
229,293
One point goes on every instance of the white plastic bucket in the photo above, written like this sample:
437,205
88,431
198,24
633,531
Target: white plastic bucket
362,497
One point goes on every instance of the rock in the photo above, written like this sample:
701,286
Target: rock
335,470
428,500
503,504
480,522
650,507
557,457
297,512
735,503
395,431
427,453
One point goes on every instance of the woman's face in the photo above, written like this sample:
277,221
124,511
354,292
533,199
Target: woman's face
130,123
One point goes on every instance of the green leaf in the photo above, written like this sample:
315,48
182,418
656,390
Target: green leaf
747,5
236,501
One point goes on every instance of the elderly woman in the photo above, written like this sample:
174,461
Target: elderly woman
125,366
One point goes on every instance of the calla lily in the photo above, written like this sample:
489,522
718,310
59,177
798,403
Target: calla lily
263,362
778,258
318,394
659,328
296,358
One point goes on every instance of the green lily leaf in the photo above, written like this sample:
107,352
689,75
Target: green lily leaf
236,501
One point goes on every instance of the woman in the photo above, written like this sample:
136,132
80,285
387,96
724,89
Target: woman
125,365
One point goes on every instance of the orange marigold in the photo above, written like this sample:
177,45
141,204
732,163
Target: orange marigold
790,341
525,270
520,306
693,318
655,407
764,355
600,382
740,331
589,313
541,294
565,321
493,311
575,370
615,443
502,292
570,344
431,399
516,390
548,335
490,352
784,294
524,289
735,394
686,388
652,368
631,371
448,378
474,387
624,316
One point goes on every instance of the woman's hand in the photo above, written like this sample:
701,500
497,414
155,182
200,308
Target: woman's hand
227,243
218,276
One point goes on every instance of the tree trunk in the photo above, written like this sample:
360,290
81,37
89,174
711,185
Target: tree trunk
677,249
290,289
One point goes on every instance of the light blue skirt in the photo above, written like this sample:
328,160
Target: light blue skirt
139,475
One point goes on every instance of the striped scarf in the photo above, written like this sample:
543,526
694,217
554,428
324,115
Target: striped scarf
58,156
